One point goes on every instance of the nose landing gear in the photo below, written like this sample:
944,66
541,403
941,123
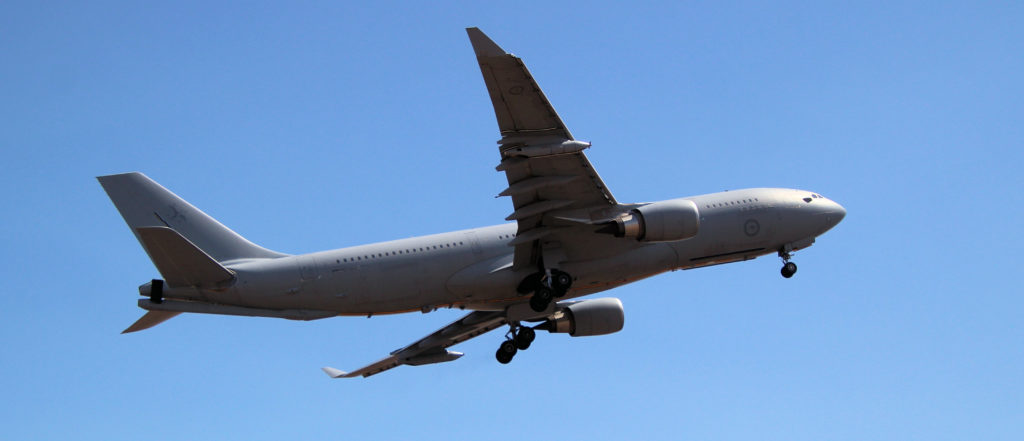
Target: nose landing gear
788,268
517,339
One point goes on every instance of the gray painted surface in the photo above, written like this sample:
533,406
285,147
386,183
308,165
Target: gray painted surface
562,211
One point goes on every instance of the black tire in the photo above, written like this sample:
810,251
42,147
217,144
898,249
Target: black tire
544,293
502,356
561,282
524,338
530,283
541,299
506,351
788,269
538,305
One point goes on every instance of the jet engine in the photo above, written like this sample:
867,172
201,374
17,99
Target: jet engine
587,317
663,221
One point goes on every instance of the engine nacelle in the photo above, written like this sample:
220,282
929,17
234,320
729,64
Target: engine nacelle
664,221
588,317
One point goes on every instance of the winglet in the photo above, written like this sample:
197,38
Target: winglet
334,373
483,45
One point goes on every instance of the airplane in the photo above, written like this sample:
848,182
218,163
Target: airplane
568,237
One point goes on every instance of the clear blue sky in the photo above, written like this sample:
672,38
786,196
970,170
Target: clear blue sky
308,126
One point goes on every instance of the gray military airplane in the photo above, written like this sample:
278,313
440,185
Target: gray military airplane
570,238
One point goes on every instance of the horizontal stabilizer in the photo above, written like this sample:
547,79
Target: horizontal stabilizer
334,373
151,319
180,262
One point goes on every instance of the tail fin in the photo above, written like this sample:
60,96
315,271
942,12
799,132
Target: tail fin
144,203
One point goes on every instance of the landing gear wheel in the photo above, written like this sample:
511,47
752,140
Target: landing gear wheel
506,351
530,283
524,338
788,269
561,282
541,299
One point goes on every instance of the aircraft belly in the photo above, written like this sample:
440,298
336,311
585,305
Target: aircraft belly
602,274
487,280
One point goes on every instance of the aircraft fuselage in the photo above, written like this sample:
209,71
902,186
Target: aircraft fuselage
473,268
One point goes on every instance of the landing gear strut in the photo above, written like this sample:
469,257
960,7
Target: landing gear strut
517,339
788,268
554,285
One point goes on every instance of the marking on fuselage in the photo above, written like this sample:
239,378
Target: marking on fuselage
751,227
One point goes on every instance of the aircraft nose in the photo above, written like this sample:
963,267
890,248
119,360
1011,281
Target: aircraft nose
833,213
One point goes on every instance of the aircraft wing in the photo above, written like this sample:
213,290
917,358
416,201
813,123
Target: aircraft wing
551,182
432,348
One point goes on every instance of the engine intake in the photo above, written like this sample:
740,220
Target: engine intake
587,317
664,221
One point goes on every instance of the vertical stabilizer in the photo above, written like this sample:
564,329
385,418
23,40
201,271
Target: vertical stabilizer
144,203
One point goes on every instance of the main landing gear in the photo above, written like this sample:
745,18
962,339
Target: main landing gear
546,287
517,339
553,285
788,268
